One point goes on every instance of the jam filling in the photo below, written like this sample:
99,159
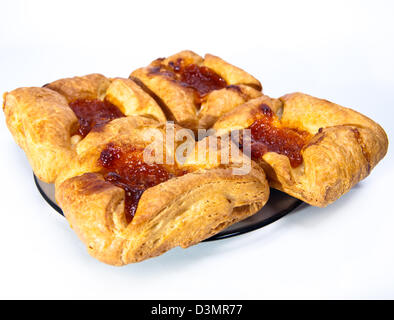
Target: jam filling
268,136
93,113
201,79
125,168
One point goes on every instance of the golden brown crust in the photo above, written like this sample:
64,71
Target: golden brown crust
91,206
132,100
244,115
222,101
91,86
344,149
40,121
180,103
232,74
175,213
192,208
179,212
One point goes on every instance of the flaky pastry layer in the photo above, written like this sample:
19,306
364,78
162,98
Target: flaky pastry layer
344,148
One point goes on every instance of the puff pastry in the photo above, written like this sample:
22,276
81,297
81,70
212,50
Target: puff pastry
45,121
89,135
194,91
310,148
70,128
183,206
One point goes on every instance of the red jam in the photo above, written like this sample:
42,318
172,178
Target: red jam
125,168
201,79
93,113
269,137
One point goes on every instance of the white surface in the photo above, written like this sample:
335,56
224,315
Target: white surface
338,50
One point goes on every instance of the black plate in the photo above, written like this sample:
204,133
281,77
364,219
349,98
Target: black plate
278,205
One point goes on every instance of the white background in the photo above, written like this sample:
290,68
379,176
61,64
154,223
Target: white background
339,50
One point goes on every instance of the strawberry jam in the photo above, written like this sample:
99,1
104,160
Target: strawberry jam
201,79
267,135
125,168
93,113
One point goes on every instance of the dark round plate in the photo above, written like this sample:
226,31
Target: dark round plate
278,205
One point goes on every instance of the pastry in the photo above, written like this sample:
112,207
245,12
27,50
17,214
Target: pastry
310,148
49,122
89,136
126,210
41,123
194,91
133,184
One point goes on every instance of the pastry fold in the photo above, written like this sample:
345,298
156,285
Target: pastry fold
40,121
342,149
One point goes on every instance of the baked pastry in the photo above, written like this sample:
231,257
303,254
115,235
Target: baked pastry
194,91
310,148
90,135
49,122
126,210
130,194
